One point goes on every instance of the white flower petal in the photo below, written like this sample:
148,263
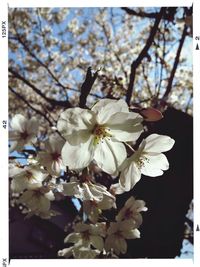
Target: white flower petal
155,165
44,204
14,135
97,242
18,185
105,108
32,126
158,143
72,238
75,119
54,144
66,252
122,245
18,123
78,157
50,195
70,189
109,155
117,189
85,253
129,176
132,234
125,126
109,242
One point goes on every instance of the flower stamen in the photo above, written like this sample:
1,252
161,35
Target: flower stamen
100,132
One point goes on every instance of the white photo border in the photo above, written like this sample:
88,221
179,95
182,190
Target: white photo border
4,233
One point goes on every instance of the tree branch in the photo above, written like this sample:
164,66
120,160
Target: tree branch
143,54
87,86
53,102
176,61
37,59
29,105
169,15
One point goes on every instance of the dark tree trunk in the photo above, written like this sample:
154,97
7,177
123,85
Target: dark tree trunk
167,197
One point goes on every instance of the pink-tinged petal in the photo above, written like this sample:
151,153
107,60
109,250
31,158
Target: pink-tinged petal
109,155
105,108
116,189
151,114
78,157
56,168
155,165
156,143
125,126
130,176
75,119
18,123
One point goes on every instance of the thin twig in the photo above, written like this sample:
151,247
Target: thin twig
53,102
142,55
87,86
176,61
29,105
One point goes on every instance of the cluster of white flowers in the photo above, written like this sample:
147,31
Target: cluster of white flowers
105,136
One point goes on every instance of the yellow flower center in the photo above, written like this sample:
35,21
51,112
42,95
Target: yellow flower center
142,160
100,132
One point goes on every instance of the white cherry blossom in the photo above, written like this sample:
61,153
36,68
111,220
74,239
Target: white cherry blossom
79,252
28,177
131,211
37,200
87,235
51,156
86,191
97,134
148,160
23,131
93,208
117,233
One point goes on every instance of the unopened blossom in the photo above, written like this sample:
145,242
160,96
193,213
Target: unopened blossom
87,235
37,200
98,134
23,131
131,211
117,234
28,177
86,191
148,160
151,114
51,156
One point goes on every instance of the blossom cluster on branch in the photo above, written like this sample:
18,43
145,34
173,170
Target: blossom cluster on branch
105,138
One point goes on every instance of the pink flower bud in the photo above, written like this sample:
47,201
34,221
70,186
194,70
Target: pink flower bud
151,114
